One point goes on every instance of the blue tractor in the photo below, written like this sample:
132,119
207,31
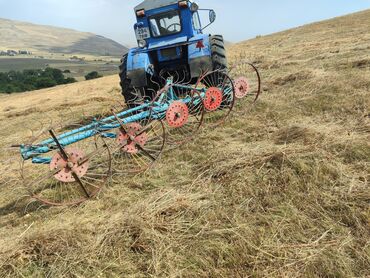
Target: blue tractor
171,42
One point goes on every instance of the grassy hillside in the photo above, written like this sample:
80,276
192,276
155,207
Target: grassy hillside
39,38
78,69
281,190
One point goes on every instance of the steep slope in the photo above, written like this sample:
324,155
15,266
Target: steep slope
281,190
27,36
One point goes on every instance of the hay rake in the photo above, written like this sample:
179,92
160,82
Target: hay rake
69,167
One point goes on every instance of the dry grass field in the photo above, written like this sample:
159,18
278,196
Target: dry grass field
280,190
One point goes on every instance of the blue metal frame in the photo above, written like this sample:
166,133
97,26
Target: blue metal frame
103,127
157,109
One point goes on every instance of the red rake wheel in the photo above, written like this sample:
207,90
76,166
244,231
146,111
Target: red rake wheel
192,112
137,147
73,176
184,117
208,83
213,99
69,166
177,114
129,140
241,87
248,83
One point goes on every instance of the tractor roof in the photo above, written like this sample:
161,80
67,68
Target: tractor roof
154,4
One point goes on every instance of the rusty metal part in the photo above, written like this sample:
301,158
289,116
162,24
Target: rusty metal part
241,87
259,89
177,114
213,99
69,166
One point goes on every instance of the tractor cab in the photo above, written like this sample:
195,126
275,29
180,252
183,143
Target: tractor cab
166,22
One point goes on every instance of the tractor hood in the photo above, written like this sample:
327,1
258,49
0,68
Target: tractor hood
167,43
183,40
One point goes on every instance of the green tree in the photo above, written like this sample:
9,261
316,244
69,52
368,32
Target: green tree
69,80
45,82
28,80
92,75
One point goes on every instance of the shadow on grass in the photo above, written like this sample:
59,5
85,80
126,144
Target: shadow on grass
22,207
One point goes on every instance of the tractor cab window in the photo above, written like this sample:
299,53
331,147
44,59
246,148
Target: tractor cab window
164,24
196,21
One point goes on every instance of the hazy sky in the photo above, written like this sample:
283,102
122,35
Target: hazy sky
236,19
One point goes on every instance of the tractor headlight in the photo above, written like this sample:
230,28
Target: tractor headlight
142,43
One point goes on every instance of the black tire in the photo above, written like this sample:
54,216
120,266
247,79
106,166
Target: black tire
219,60
131,95
219,63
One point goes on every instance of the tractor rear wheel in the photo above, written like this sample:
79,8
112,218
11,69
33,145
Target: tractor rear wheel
218,51
132,96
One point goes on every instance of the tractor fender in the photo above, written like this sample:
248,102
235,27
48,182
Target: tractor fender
199,59
138,68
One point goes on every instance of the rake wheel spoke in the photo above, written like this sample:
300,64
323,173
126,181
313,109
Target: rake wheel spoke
137,147
76,177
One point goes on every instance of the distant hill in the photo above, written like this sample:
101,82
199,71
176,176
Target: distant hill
228,43
27,36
